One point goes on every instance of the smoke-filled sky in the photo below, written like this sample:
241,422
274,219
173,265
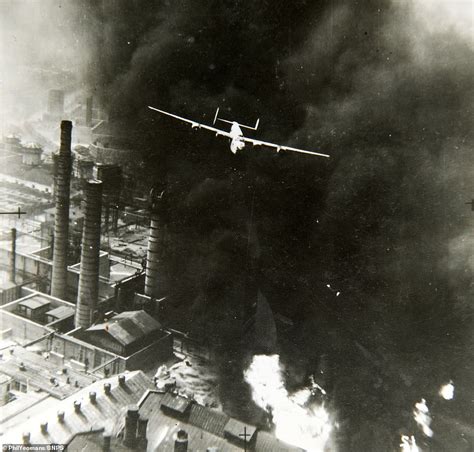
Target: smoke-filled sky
384,86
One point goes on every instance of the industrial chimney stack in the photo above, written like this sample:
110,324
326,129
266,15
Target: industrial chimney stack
62,180
153,288
13,257
89,275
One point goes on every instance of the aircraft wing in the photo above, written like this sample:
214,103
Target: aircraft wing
280,147
193,124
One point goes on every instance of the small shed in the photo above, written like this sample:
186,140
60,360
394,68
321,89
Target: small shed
61,316
34,308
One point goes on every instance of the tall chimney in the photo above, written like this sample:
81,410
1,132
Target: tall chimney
131,421
89,112
13,257
62,179
89,275
155,239
181,441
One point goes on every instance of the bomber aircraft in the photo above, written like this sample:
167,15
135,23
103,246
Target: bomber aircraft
236,136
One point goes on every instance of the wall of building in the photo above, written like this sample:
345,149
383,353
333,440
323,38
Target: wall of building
27,293
104,340
162,349
67,347
125,292
5,386
34,265
191,347
29,266
8,295
19,329
109,155
26,183
62,325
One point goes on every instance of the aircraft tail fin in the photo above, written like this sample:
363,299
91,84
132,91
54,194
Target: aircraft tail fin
216,116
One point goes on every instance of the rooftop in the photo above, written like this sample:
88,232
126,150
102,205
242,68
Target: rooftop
94,441
61,312
128,327
35,302
41,373
205,427
176,404
106,413
235,428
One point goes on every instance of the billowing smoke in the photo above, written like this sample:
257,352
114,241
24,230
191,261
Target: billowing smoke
385,87
42,46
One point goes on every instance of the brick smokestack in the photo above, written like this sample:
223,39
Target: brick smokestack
153,288
89,276
62,182
89,111
13,257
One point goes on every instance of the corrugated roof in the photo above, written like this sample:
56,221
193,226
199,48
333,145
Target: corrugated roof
143,320
175,403
38,373
107,413
210,420
163,428
84,431
266,442
129,326
94,441
205,429
61,312
236,429
35,302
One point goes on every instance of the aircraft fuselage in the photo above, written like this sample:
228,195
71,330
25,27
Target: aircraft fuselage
237,143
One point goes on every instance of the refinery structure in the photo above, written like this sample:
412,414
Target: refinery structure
85,354
231,226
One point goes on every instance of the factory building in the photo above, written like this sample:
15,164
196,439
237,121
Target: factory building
82,163
125,413
125,333
55,105
129,340
12,143
67,345
31,154
94,406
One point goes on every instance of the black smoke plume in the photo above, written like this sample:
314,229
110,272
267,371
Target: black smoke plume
382,222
